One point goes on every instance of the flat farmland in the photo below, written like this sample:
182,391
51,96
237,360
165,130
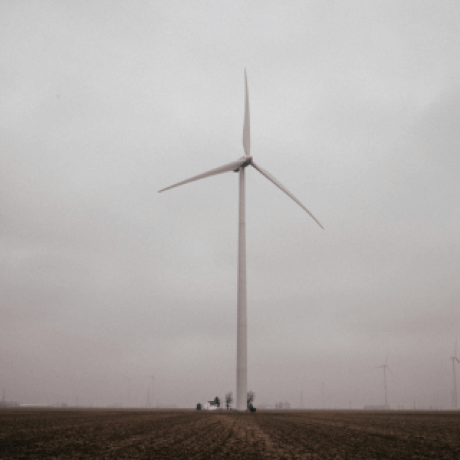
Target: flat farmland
99,433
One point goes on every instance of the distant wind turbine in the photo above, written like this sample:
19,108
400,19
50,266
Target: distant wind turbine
239,166
151,404
385,367
153,389
147,403
455,359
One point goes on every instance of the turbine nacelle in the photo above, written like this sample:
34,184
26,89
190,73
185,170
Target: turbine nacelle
247,161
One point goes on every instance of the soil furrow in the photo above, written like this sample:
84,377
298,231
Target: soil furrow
81,433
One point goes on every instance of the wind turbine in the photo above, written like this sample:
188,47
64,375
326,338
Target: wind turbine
239,167
385,367
151,404
454,358
153,389
147,403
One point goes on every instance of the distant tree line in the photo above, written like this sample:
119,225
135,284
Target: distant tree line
281,405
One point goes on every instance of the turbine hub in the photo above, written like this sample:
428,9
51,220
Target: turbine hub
246,163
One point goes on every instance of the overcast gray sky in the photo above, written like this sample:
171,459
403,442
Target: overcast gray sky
355,107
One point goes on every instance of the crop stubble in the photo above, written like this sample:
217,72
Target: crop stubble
70,433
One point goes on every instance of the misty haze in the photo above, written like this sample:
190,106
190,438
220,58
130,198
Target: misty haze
115,296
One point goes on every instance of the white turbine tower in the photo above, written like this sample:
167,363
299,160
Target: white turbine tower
239,166
455,359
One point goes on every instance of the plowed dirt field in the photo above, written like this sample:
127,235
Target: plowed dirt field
80,433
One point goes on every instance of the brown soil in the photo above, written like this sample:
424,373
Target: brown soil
80,433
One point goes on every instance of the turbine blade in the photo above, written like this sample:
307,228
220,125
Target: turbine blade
285,190
391,372
455,349
234,165
246,125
